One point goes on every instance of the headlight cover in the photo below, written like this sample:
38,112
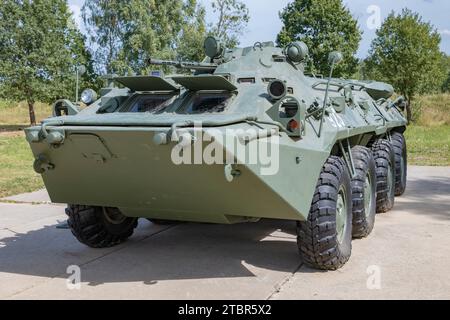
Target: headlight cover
88,96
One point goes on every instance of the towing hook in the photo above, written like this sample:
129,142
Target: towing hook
50,123
42,164
54,137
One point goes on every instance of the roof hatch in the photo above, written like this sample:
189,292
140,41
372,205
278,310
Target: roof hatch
146,83
205,82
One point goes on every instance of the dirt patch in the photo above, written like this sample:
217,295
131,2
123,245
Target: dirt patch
12,134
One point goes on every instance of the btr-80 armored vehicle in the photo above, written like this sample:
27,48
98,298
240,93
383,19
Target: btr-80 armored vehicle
245,135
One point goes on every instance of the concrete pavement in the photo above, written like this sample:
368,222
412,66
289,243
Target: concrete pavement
407,256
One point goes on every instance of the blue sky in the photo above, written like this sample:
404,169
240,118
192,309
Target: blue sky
265,23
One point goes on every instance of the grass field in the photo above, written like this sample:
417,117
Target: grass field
432,110
429,146
16,160
428,141
16,166
16,115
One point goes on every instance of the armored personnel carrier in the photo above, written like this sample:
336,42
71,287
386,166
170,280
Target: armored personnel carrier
241,136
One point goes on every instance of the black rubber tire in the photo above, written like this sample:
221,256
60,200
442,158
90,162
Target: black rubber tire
384,156
363,222
401,156
162,222
91,227
317,240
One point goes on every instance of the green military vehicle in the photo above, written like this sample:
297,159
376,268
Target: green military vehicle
241,136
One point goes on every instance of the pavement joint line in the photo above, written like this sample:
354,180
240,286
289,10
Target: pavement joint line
125,245
26,289
11,230
34,221
25,202
279,286
280,237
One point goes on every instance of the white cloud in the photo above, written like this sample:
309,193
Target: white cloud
76,11
445,32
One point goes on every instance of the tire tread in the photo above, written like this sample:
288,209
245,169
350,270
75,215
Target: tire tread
88,227
317,239
383,154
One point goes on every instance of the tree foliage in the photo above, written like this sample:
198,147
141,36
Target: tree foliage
233,17
325,26
39,50
124,34
406,53
446,85
189,46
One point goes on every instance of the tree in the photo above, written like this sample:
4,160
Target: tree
406,53
39,51
189,46
233,17
124,34
446,85
325,26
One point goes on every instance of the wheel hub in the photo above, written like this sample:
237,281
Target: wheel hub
113,215
403,170
341,215
390,180
367,196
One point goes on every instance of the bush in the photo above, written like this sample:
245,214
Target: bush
431,110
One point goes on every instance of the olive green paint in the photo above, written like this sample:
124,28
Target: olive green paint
111,159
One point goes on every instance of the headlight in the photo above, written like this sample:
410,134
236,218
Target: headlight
277,89
88,96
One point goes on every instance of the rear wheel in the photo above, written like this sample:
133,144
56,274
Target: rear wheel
363,192
325,239
99,227
401,162
384,156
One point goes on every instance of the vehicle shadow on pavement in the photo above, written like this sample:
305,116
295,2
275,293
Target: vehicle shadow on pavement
430,196
185,251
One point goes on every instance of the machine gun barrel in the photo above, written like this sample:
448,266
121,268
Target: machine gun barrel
198,66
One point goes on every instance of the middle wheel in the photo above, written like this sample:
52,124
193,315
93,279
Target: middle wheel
384,156
364,192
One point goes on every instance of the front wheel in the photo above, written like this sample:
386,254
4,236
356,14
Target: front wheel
99,227
325,239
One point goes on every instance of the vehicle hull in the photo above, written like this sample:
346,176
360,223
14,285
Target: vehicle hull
124,168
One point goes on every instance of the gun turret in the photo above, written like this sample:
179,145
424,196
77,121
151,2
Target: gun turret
197,66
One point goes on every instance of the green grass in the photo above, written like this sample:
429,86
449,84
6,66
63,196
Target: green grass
429,137
16,167
429,146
